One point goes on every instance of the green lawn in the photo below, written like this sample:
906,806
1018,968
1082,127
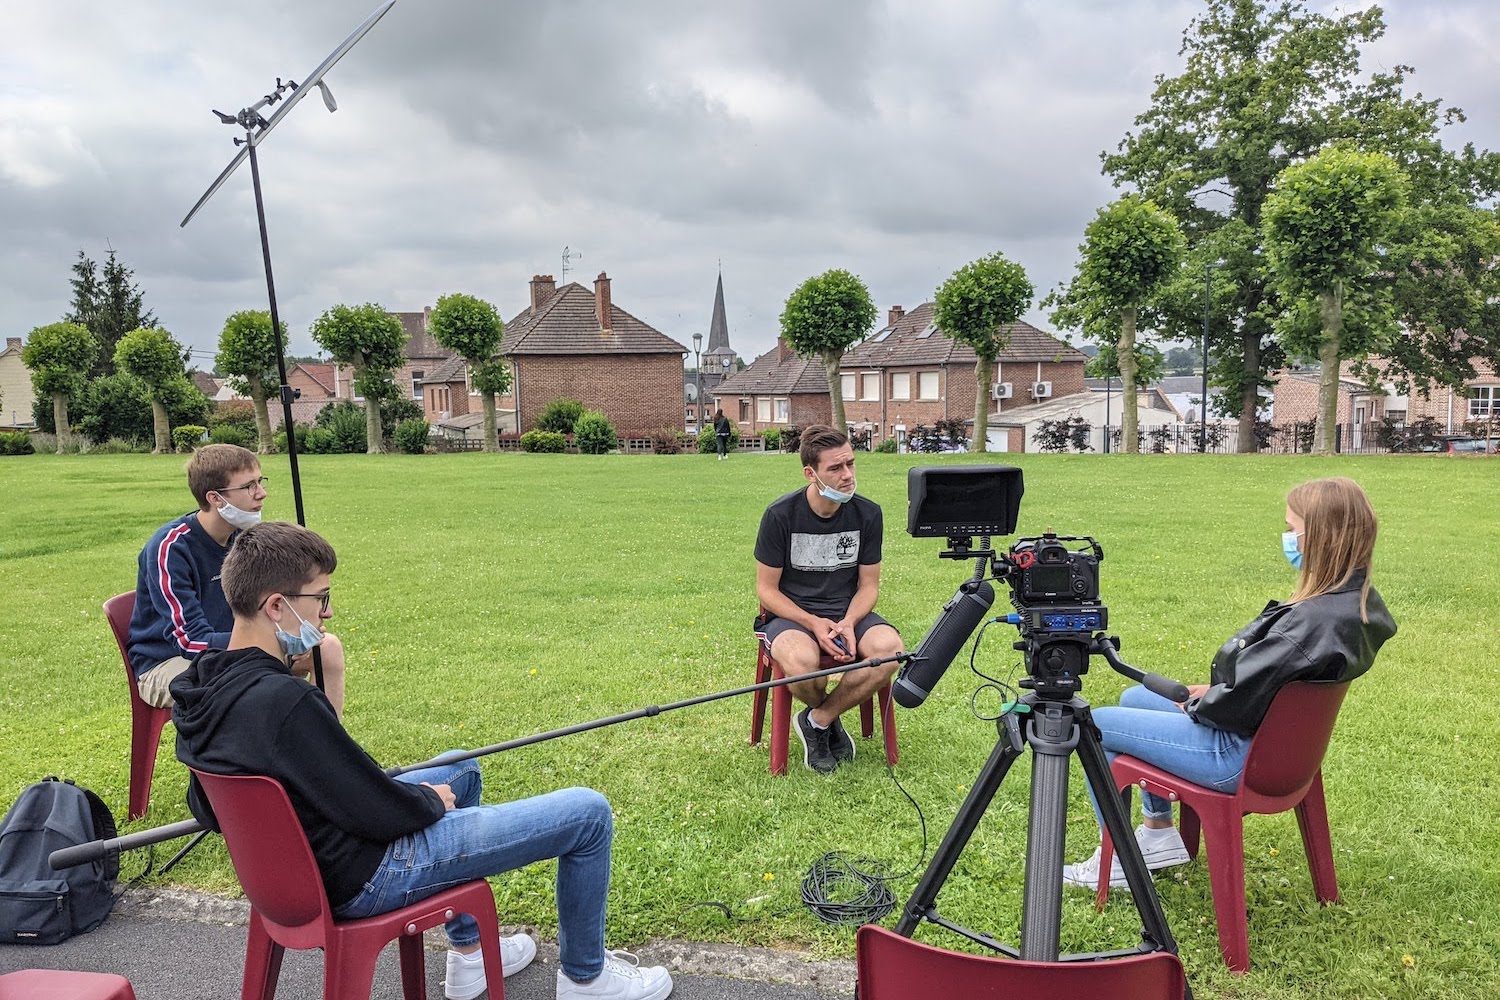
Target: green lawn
484,597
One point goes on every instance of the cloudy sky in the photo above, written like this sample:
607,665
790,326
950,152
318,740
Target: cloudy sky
477,138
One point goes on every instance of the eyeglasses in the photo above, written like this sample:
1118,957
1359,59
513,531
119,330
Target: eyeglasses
252,484
323,599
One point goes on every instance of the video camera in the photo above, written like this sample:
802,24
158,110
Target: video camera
1053,588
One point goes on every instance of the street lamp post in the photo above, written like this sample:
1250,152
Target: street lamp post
697,384
1109,383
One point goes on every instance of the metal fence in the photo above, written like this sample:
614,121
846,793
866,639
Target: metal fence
1223,438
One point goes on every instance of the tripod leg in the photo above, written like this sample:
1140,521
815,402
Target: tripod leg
1007,749
1137,876
1052,734
184,852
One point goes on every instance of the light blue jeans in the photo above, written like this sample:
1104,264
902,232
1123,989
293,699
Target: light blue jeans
472,841
1156,730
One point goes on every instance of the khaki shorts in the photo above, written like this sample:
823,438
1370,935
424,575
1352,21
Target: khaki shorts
153,683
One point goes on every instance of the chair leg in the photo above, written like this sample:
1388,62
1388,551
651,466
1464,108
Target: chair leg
781,727
1312,819
146,725
262,962
1224,834
867,718
413,967
888,725
349,972
489,945
758,701
1190,828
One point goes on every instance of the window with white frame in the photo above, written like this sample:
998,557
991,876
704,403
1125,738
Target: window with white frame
927,385
416,384
847,386
1484,400
745,410
783,410
869,385
901,385
763,409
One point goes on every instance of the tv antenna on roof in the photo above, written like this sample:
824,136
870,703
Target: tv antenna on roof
256,129
568,256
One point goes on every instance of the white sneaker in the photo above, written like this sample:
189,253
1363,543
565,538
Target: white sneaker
1160,849
622,979
465,979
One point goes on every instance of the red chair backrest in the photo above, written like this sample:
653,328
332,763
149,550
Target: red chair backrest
117,610
270,852
1287,750
892,967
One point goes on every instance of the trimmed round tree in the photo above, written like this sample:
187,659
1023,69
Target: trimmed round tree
247,354
826,315
1324,230
59,357
471,328
369,340
974,307
152,355
1128,252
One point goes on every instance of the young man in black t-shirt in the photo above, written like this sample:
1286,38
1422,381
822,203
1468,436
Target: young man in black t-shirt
818,576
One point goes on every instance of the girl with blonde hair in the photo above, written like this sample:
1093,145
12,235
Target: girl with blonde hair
1329,630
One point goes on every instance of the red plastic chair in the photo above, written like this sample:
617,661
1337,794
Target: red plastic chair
766,668
1282,771
146,721
289,908
891,967
54,984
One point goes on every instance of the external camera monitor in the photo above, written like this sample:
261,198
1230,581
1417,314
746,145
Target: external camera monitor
965,500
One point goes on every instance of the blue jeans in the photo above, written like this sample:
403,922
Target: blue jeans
472,841
1156,730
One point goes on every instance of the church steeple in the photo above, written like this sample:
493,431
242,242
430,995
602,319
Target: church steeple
718,327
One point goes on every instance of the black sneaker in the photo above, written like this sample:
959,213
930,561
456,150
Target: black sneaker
840,743
815,752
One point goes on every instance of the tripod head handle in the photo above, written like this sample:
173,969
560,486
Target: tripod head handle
1107,646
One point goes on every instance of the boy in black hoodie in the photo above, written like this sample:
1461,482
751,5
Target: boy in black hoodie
383,842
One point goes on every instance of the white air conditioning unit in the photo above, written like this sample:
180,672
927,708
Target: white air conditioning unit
1041,390
1001,390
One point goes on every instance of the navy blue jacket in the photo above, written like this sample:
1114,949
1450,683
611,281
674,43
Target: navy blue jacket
180,608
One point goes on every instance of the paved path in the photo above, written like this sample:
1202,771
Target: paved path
174,945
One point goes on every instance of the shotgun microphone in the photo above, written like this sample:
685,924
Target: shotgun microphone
942,643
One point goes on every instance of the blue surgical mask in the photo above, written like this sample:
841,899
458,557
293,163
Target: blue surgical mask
1290,550
308,636
829,493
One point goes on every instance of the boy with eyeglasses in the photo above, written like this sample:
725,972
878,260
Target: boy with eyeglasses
180,609
382,842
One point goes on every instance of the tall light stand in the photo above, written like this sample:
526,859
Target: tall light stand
1208,293
698,383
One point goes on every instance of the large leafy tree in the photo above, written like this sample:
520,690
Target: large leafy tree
977,306
471,328
1128,252
110,304
247,354
369,340
825,316
153,355
59,357
1325,230
1268,84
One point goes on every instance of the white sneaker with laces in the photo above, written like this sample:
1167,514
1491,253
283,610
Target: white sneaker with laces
1160,849
1085,874
465,979
623,978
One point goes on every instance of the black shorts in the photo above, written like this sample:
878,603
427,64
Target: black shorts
776,626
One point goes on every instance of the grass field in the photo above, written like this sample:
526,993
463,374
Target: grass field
485,597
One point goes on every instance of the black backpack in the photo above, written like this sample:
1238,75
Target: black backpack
39,905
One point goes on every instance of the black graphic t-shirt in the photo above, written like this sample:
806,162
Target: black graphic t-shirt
820,557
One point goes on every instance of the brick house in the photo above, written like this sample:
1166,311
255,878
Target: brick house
572,343
1295,399
777,389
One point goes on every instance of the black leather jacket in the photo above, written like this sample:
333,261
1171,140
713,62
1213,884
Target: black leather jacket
1319,639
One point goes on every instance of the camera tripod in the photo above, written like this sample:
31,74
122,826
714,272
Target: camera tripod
1058,724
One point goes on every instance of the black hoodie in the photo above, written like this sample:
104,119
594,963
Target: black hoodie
241,711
